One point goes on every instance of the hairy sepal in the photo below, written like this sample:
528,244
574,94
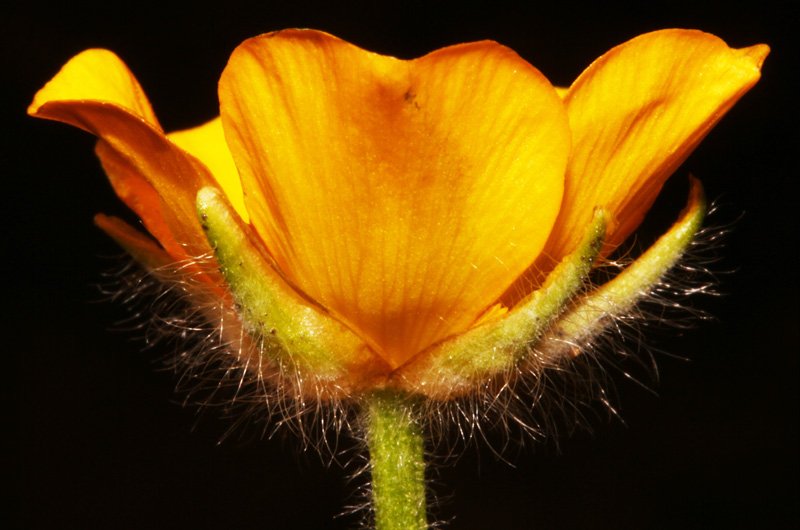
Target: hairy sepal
320,356
592,313
468,362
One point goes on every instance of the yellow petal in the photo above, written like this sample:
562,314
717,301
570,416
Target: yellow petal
635,114
96,92
561,91
207,144
98,75
404,196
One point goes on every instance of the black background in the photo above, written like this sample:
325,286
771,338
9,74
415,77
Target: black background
100,441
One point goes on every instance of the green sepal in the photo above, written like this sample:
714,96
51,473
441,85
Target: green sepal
595,311
293,332
463,363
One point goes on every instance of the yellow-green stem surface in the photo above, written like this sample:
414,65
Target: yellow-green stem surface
397,462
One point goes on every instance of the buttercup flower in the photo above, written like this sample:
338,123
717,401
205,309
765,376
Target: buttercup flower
416,226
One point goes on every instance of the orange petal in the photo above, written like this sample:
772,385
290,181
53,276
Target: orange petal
635,114
138,194
139,246
207,144
96,92
404,196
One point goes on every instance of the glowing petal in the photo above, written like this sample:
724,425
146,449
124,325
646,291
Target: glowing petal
207,144
635,114
97,75
96,92
404,196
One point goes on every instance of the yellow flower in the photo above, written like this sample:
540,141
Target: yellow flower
392,207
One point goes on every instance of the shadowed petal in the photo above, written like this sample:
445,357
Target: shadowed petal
404,196
143,249
140,196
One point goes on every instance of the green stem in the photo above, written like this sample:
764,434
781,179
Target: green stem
397,462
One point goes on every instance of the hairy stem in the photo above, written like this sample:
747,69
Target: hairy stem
397,462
